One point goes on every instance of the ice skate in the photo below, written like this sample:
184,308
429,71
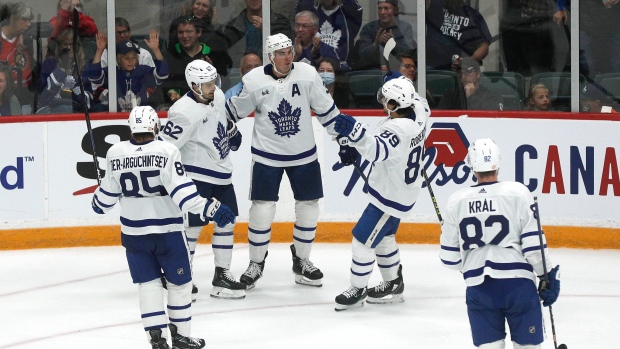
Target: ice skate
182,342
157,341
388,291
305,272
253,273
351,298
225,286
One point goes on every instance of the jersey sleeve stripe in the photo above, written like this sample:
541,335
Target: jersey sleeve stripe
108,193
187,198
184,185
150,222
533,248
327,112
450,263
450,248
101,203
231,114
279,157
207,172
532,233
385,147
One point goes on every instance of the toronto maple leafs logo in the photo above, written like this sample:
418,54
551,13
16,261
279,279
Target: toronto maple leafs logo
286,121
221,141
329,36
126,103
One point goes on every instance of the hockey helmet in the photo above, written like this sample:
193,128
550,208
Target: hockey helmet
277,42
483,155
198,72
143,120
399,90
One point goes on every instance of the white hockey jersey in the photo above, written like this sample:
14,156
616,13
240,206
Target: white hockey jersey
395,153
283,133
199,131
490,229
153,189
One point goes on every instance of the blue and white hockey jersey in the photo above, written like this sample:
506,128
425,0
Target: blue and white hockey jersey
199,131
395,152
283,134
153,189
490,229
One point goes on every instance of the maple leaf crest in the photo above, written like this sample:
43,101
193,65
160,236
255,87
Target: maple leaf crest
221,141
286,121
329,36
125,103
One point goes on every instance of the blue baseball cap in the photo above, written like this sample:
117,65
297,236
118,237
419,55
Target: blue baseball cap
126,46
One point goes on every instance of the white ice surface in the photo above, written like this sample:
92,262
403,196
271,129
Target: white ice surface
84,298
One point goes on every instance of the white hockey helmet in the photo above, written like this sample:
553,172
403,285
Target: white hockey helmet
143,120
198,72
276,42
483,155
399,90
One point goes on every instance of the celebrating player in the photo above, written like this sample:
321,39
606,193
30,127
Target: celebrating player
395,151
282,95
490,234
197,124
149,180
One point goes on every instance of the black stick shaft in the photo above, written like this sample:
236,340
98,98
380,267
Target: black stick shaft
76,21
432,194
359,170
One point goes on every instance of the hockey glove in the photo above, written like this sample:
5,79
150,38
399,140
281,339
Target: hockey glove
347,154
218,212
234,136
96,208
550,292
345,125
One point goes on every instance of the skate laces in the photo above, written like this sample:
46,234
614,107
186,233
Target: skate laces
228,275
254,270
383,286
351,292
307,266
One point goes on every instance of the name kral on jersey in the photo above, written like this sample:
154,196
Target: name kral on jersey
481,206
139,161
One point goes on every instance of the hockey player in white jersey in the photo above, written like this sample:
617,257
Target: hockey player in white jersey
395,151
147,177
198,126
490,235
282,95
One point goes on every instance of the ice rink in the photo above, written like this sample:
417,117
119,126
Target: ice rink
84,298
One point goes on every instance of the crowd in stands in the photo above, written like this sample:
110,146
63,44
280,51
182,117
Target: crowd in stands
327,34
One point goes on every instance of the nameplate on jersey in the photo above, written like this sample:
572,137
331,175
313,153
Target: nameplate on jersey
139,161
481,206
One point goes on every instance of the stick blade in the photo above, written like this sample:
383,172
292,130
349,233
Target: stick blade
389,46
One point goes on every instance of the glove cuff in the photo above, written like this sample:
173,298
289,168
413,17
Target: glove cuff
211,207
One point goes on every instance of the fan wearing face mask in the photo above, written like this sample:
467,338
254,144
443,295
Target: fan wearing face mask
333,77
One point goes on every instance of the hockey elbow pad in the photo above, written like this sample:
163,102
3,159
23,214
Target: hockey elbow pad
549,292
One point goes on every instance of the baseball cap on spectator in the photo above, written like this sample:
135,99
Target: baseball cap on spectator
593,91
469,65
393,2
126,46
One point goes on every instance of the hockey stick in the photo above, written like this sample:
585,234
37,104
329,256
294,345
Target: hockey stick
76,19
432,194
545,274
389,46
359,170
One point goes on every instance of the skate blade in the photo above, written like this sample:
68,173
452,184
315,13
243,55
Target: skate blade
395,298
250,286
225,293
342,307
301,280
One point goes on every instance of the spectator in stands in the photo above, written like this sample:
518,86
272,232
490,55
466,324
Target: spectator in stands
538,98
248,25
174,95
308,45
123,33
407,68
375,34
9,105
15,18
248,62
132,79
60,88
470,95
339,23
64,19
204,14
188,49
594,98
334,80
454,28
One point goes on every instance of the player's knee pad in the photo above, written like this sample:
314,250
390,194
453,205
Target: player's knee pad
307,213
500,344
262,214
525,346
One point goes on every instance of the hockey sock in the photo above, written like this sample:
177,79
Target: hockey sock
180,307
306,218
500,344
151,295
262,214
525,346
361,264
388,258
192,234
222,244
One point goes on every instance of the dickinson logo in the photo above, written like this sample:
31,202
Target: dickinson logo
12,177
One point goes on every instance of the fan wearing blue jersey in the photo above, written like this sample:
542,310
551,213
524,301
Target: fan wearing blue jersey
147,178
490,234
282,95
198,126
395,151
